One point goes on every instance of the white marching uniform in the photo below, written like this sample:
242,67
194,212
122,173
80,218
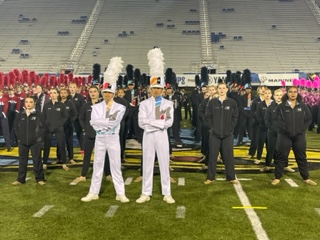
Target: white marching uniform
155,140
107,126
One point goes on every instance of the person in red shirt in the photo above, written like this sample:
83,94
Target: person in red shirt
4,120
13,109
21,95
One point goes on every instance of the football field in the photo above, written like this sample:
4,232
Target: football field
254,209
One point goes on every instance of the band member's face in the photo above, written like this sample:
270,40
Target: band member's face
222,90
262,90
63,94
107,96
53,94
29,103
212,91
277,96
130,86
292,94
267,95
72,88
169,90
120,93
39,89
93,93
156,92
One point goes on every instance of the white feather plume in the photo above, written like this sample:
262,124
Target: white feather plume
156,64
113,70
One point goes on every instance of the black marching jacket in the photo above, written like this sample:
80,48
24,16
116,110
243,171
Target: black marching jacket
84,119
222,117
293,121
54,116
29,129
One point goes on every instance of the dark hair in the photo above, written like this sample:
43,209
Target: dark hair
95,87
30,96
40,86
285,96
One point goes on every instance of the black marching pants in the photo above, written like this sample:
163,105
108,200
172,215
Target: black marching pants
36,158
284,144
60,145
225,146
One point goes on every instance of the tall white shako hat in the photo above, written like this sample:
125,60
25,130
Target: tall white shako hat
156,64
111,75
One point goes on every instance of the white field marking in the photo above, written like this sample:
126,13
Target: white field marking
128,181
239,179
112,210
181,181
317,210
181,212
252,215
42,211
291,182
28,178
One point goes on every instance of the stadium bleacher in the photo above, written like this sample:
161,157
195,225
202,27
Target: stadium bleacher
49,30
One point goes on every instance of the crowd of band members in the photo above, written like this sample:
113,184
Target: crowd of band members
71,105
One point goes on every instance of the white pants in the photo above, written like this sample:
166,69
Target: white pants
111,144
155,142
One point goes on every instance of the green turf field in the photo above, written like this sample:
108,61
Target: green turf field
290,214
283,213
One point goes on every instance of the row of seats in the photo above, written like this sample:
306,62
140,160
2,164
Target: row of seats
125,34
63,33
192,22
24,41
191,32
227,9
26,19
24,55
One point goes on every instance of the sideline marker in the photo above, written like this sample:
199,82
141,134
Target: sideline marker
128,181
43,210
291,182
181,212
112,210
181,181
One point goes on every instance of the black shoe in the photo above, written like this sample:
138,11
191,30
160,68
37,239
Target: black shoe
9,149
239,143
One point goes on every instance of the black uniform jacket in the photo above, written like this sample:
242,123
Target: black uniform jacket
259,114
270,117
222,117
84,119
293,121
54,116
29,129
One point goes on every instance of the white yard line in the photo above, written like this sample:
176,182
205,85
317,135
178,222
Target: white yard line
128,181
317,210
111,211
291,182
181,181
43,210
181,212
252,215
